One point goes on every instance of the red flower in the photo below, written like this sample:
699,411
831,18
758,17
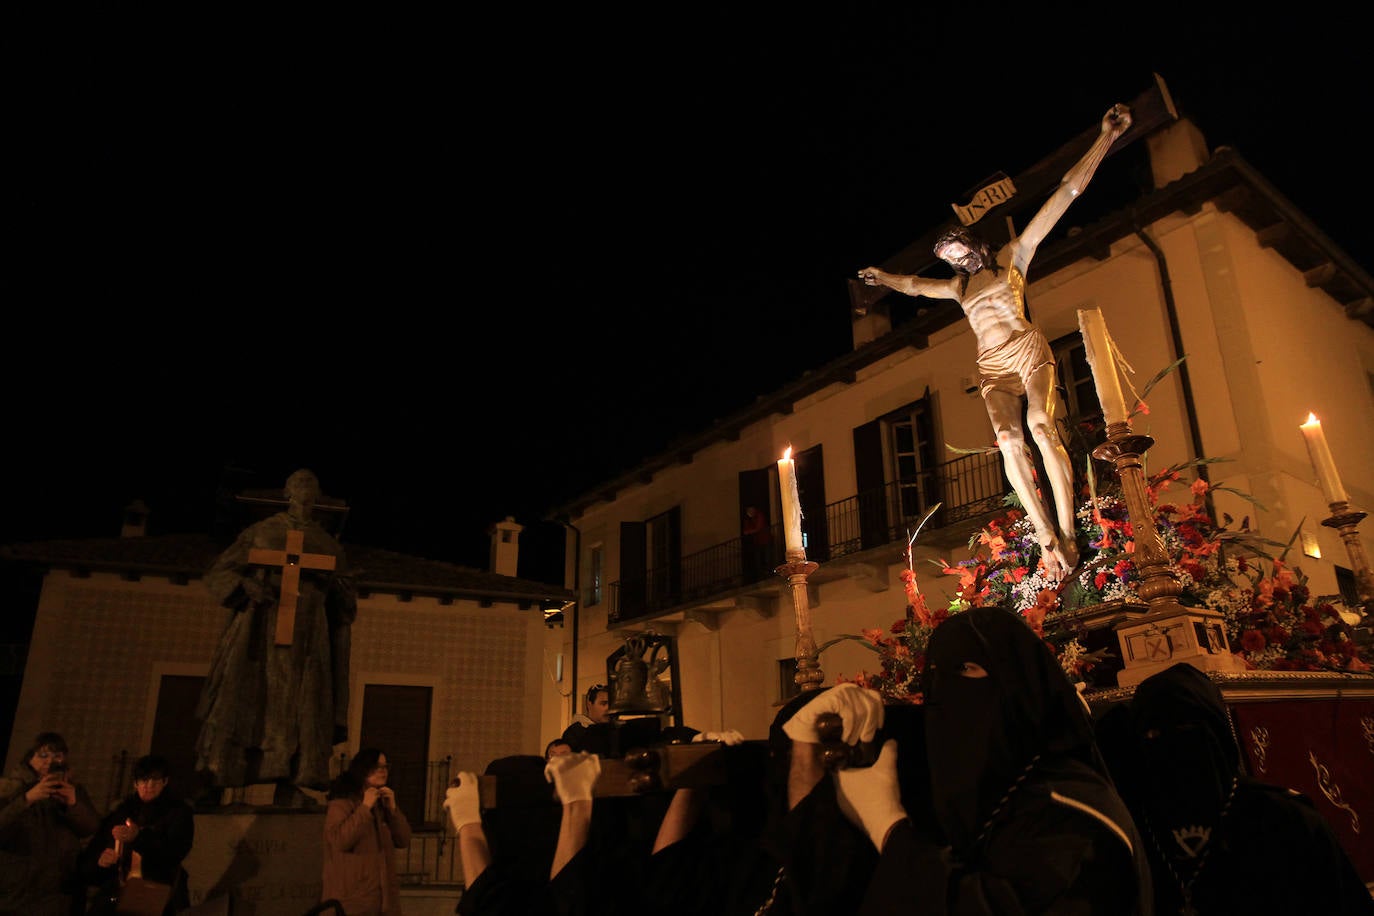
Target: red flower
1252,641
1046,600
874,636
922,612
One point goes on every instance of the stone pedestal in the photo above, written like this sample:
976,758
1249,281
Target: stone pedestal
1163,638
267,861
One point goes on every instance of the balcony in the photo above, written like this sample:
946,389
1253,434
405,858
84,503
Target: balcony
869,527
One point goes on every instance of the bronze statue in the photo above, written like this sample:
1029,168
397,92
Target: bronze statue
276,700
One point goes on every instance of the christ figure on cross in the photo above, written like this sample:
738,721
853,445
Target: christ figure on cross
1014,359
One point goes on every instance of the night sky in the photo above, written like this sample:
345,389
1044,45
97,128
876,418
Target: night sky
468,266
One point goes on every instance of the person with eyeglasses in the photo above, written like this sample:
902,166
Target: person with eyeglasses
45,816
148,834
363,828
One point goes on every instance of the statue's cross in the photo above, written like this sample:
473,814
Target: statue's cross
291,560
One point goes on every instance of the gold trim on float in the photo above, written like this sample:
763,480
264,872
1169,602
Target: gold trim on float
1259,740
1246,686
1333,791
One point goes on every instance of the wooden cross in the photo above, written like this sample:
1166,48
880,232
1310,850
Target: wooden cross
291,560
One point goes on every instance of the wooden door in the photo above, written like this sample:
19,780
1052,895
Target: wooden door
175,730
396,719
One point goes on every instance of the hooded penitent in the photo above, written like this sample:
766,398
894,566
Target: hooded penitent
986,734
1189,760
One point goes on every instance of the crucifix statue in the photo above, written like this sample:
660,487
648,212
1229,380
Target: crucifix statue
1014,359
276,700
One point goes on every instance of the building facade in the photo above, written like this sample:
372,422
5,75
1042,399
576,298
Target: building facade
1209,265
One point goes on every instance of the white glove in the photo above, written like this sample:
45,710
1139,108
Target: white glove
729,736
463,802
573,775
860,709
870,797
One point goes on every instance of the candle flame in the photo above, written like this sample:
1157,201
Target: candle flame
1311,419
787,454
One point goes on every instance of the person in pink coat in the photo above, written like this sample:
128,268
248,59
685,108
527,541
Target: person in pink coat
363,828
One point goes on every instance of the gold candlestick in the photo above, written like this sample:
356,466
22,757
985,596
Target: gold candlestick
1169,633
1346,521
1158,584
797,569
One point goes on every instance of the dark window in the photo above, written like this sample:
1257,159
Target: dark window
595,574
787,679
913,455
1350,592
1075,378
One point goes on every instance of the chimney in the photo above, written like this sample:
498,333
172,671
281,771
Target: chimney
505,546
135,520
1175,151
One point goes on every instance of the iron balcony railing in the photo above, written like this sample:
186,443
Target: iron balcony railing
965,488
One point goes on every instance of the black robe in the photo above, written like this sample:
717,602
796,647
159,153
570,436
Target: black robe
1024,817
1267,850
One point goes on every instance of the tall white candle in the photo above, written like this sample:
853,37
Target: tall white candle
1322,461
791,502
1103,364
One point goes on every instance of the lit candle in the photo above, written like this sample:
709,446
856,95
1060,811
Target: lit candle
1322,460
791,502
1099,351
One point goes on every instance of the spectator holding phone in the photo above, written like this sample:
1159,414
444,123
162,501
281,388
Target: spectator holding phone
44,817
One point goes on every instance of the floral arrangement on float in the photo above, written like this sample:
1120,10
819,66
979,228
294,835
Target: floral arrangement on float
1273,621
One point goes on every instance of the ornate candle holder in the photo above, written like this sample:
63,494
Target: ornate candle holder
1168,633
1347,521
797,569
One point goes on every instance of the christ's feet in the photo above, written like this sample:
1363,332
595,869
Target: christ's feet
1058,558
